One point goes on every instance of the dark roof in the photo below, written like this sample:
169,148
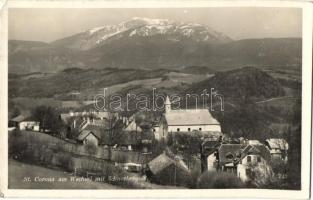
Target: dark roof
163,161
21,118
233,153
18,118
160,163
228,153
257,150
209,146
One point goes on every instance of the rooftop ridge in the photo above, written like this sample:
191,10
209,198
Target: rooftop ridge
196,109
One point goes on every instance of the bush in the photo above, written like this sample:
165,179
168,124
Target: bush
66,162
194,176
219,180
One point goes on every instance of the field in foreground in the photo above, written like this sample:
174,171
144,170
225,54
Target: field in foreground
18,171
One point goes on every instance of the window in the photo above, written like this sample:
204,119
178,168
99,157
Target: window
259,159
229,155
188,129
154,130
200,129
249,159
178,129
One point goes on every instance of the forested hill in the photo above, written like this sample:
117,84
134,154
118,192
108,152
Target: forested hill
246,82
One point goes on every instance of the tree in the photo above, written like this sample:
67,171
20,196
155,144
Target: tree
158,147
112,132
279,167
71,131
48,118
294,151
245,120
13,110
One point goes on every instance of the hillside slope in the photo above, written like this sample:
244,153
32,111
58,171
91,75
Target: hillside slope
243,83
159,53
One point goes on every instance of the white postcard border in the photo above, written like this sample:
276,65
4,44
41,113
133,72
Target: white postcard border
161,193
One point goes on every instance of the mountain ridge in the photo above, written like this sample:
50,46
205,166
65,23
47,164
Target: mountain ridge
127,45
142,27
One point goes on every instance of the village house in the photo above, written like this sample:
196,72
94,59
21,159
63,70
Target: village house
89,137
166,171
175,121
80,120
130,125
254,165
125,148
131,138
88,115
251,163
278,148
25,123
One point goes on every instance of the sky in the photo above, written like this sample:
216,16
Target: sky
49,24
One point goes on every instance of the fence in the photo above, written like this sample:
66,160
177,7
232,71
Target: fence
49,143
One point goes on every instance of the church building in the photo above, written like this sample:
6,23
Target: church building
174,121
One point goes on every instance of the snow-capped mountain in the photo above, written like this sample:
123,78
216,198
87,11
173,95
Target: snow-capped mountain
143,28
151,43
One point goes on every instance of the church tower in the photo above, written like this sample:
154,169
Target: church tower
167,105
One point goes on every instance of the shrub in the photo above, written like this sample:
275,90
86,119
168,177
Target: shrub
66,162
194,176
91,148
219,180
